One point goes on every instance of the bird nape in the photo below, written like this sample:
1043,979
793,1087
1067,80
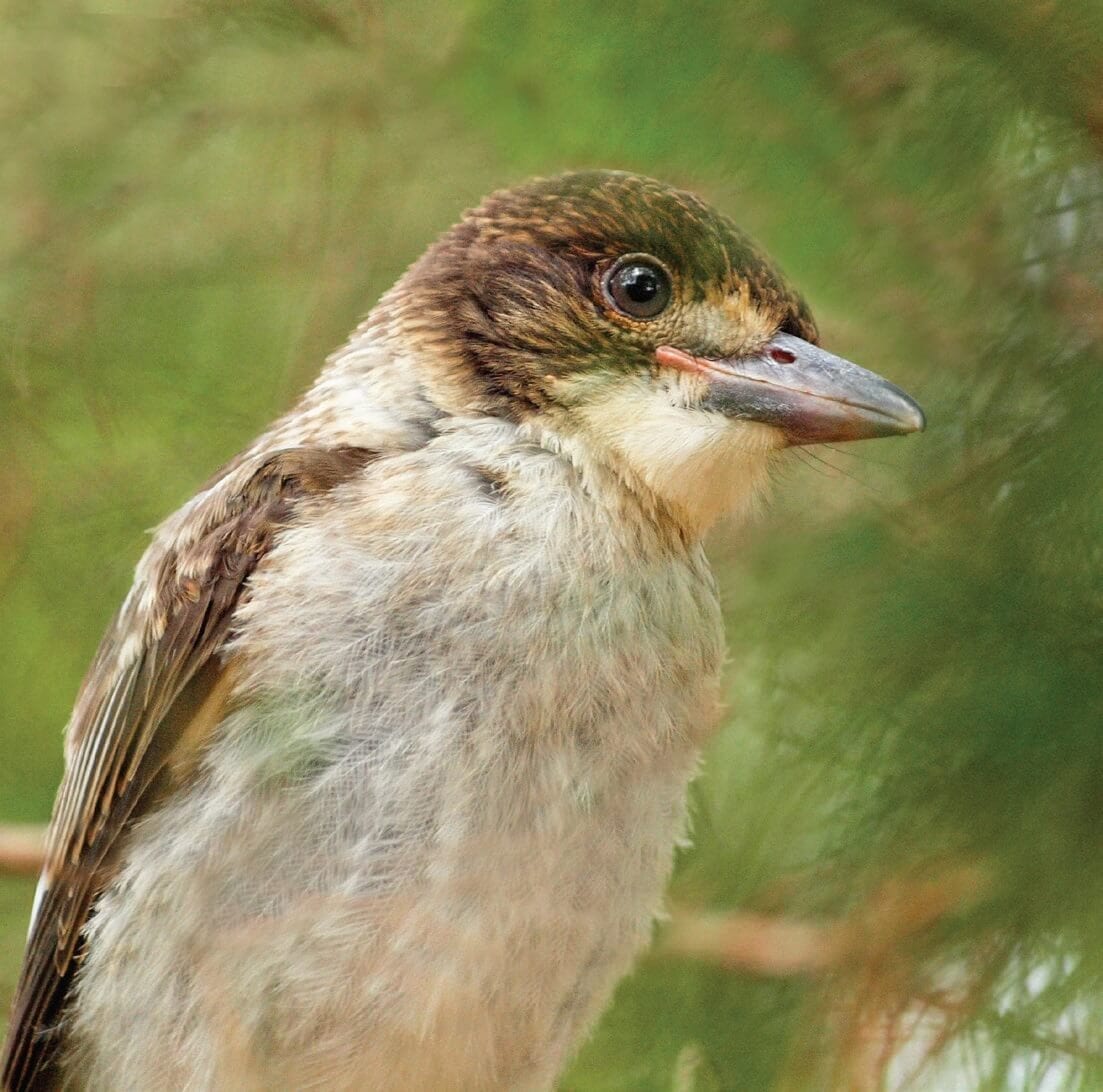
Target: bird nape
375,779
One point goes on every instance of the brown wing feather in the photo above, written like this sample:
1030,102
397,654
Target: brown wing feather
155,690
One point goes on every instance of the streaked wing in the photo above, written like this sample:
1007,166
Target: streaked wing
156,689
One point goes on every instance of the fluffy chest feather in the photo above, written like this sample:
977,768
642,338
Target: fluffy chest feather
445,810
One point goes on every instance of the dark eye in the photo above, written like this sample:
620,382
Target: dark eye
638,287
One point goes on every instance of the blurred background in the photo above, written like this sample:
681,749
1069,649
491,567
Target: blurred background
897,880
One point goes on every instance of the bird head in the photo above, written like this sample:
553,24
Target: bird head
634,324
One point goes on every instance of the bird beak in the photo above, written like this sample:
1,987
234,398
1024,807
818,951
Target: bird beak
809,394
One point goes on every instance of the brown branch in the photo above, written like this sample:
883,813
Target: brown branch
774,945
871,1002
22,849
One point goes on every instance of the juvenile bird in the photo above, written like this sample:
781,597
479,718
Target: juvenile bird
375,779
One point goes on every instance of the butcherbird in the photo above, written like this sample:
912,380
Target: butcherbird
376,777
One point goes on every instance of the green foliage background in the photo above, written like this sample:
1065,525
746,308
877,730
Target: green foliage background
199,200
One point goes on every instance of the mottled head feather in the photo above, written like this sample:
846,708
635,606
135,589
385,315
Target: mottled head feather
511,294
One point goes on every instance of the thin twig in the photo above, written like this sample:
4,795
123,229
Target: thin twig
22,849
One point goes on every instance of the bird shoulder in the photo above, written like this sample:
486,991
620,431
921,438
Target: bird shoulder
157,688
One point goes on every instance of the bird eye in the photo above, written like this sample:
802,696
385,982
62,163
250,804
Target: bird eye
638,287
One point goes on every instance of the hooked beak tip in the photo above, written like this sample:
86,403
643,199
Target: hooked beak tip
897,413
915,420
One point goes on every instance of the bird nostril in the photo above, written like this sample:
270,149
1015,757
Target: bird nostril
782,356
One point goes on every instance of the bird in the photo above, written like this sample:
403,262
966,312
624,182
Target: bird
377,776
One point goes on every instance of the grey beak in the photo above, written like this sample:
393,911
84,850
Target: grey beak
808,393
